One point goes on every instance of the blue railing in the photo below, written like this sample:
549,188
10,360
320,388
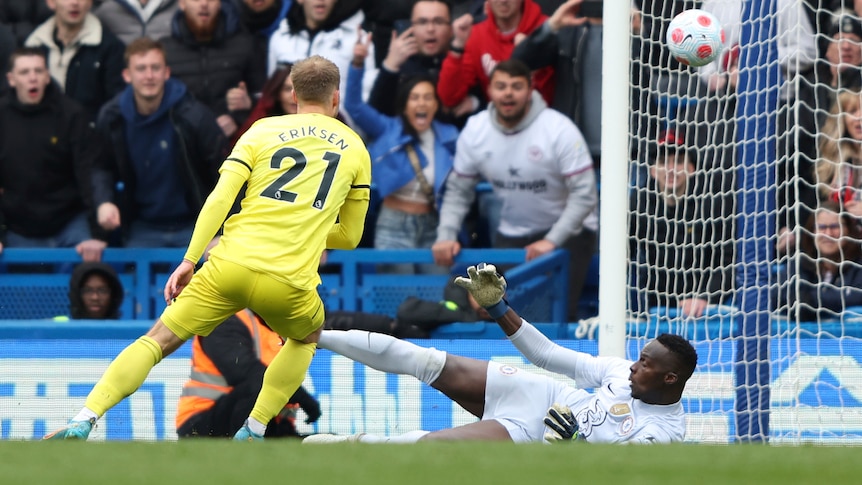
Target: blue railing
537,288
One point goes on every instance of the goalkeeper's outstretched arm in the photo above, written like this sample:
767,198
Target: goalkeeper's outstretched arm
488,288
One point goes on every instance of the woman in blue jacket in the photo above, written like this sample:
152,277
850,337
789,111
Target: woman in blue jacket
408,216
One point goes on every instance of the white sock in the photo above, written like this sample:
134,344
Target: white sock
386,353
85,415
256,426
409,437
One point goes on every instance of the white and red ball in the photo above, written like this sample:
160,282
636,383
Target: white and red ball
695,37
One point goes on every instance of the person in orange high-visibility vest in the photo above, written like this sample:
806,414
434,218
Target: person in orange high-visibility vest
226,376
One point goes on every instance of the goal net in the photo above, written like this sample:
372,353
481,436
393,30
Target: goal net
744,216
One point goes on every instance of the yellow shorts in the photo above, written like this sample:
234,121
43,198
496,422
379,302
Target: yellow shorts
221,288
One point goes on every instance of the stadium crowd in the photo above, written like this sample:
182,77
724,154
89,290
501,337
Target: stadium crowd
132,105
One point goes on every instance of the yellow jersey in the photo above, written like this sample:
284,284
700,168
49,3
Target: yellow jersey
299,171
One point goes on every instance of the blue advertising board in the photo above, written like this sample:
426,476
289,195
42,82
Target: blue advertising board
816,390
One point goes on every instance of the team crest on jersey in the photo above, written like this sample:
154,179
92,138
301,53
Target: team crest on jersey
620,409
534,154
627,425
507,370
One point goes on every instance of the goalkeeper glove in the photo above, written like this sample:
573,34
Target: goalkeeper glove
561,424
487,287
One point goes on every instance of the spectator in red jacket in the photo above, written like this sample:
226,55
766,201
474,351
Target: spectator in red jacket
476,49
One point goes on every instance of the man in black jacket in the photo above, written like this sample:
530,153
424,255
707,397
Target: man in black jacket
167,149
47,151
210,52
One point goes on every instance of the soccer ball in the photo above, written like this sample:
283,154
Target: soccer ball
695,37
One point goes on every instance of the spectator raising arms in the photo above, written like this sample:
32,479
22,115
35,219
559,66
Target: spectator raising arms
412,155
476,49
420,49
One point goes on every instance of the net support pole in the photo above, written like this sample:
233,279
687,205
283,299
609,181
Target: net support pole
613,243
757,103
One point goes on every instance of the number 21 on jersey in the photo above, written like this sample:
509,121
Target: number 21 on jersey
280,189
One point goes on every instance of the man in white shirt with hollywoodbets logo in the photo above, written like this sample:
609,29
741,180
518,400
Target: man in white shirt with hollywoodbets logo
540,169
633,402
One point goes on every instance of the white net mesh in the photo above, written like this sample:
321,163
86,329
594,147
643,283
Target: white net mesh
745,216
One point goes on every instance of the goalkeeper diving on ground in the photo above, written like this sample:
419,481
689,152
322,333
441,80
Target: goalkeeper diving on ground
633,402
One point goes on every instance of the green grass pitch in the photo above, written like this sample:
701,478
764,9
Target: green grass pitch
206,462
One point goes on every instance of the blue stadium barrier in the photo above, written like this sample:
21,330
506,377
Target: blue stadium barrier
717,322
720,322
537,288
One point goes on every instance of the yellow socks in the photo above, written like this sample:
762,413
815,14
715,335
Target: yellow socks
282,378
125,374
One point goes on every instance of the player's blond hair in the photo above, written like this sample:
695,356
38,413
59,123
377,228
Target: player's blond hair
315,79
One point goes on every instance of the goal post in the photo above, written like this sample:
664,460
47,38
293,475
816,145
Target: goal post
757,105
616,64
773,133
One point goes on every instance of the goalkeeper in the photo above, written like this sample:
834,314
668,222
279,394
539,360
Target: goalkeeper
636,402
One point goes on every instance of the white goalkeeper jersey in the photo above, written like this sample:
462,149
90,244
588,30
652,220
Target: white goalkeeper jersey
610,414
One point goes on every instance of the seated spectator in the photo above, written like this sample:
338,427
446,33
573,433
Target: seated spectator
95,292
276,99
166,149
226,377
313,27
130,19
475,50
826,277
47,152
22,16
411,156
84,58
681,235
210,53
